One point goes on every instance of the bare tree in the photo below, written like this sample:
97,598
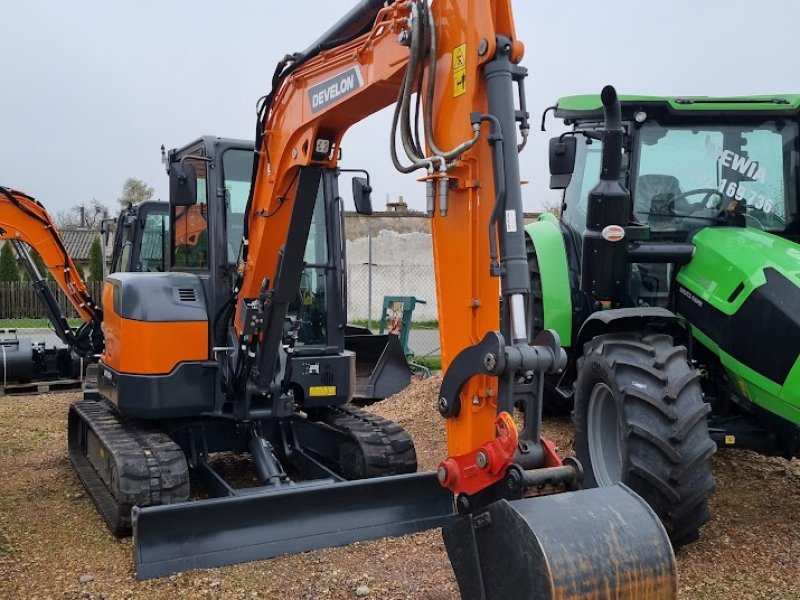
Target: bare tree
87,215
552,205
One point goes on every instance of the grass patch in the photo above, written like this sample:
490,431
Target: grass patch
434,363
33,323
376,323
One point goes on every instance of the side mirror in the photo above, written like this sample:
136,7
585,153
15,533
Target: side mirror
562,161
182,184
362,195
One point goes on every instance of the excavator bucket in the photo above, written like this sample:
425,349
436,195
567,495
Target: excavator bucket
295,518
381,366
597,544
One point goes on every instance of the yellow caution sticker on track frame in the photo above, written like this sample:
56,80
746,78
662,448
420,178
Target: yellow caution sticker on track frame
459,70
322,390
730,440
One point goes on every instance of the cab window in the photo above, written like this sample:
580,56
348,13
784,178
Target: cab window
154,236
237,169
190,239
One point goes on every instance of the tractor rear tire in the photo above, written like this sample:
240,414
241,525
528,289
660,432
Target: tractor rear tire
640,419
553,404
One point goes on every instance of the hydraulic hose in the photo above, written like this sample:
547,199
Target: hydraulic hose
428,118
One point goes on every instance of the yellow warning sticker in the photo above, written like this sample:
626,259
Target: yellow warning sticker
460,57
322,390
730,440
459,70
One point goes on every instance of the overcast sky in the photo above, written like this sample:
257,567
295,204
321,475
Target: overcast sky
90,89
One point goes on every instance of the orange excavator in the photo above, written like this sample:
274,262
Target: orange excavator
25,223
198,361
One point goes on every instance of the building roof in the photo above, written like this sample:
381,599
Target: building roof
78,242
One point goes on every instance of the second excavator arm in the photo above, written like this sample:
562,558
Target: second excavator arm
24,223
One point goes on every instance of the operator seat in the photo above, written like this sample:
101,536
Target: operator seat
654,198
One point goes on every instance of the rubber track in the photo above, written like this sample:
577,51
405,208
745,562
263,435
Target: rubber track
384,447
148,467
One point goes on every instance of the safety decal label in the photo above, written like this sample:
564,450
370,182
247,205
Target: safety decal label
332,90
459,70
322,390
511,221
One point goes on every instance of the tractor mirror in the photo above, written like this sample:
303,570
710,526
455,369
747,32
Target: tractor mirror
182,184
562,161
362,195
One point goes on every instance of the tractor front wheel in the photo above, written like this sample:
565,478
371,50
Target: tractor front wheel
640,419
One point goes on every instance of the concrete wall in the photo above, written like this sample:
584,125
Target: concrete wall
402,265
359,226
402,262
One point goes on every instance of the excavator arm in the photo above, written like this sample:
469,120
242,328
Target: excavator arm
24,222
300,128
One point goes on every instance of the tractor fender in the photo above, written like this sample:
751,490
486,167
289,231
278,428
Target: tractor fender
621,319
551,255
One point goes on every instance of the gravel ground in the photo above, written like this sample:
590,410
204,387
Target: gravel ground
54,545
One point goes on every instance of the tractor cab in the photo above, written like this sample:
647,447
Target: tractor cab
686,160
689,163
674,281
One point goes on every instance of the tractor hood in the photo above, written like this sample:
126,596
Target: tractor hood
741,293
727,258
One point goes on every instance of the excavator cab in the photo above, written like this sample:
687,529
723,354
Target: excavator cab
140,239
314,324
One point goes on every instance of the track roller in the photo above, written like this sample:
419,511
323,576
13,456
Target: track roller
121,465
377,447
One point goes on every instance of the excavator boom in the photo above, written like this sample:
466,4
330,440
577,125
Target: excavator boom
24,222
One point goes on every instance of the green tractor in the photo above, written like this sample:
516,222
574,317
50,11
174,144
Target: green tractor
674,285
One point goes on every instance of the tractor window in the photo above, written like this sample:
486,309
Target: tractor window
584,178
687,174
190,241
237,169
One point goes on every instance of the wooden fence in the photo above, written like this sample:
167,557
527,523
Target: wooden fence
18,300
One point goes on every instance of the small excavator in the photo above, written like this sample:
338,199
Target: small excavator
25,224
198,361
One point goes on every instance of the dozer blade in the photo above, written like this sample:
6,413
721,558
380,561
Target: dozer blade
596,544
212,533
381,366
